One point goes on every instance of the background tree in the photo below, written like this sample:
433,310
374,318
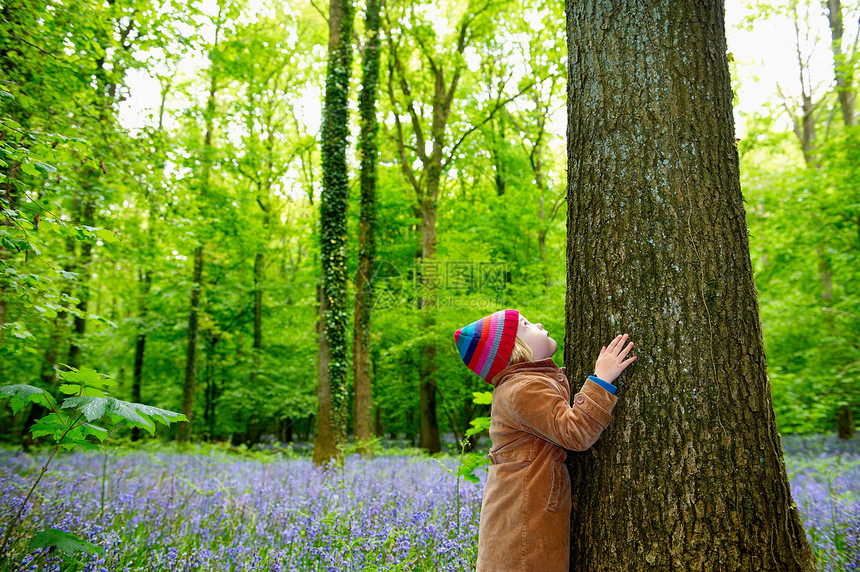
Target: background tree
428,146
691,469
802,219
369,155
204,162
333,361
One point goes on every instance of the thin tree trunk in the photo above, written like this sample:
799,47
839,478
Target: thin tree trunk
145,281
544,217
190,381
326,435
841,65
367,148
804,129
258,316
208,396
428,420
499,162
145,276
333,356
188,385
690,474
79,327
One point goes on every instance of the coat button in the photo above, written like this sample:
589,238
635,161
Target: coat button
579,399
560,377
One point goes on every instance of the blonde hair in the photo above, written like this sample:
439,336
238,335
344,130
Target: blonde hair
521,352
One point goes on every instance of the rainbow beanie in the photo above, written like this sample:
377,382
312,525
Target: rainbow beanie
485,346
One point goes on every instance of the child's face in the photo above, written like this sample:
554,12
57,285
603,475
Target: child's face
537,339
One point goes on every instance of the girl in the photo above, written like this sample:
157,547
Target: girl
525,515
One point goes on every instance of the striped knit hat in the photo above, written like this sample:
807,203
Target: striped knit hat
485,346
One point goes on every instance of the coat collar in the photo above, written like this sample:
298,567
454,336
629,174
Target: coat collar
542,366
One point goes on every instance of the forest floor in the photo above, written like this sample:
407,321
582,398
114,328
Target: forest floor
212,510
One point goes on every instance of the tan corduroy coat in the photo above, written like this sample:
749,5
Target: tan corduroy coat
525,514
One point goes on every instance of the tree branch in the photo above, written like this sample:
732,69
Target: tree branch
407,93
320,11
486,119
401,146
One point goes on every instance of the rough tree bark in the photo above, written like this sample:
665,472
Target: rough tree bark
333,362
690,474
367,149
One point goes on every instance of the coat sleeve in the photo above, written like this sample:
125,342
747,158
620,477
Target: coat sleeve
541,408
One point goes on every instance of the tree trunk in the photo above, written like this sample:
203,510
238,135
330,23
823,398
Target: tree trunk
690,474
367,148
84,216
428,422
841,65
427,191
209,391
145,281
333,362
544,217
499,143
844,422
326,437
258,315
190,382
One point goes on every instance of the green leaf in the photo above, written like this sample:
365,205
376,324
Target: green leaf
22,394
69,444
77,437
162,415
482,397
70,389
452,472
48,313
66,543
91,407
87,377
44,167
11,123
478,424
6,94
51,424
468,465
106,235
126,412
97,432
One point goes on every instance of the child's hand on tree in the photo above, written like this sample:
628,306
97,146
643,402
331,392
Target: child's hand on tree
610,363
